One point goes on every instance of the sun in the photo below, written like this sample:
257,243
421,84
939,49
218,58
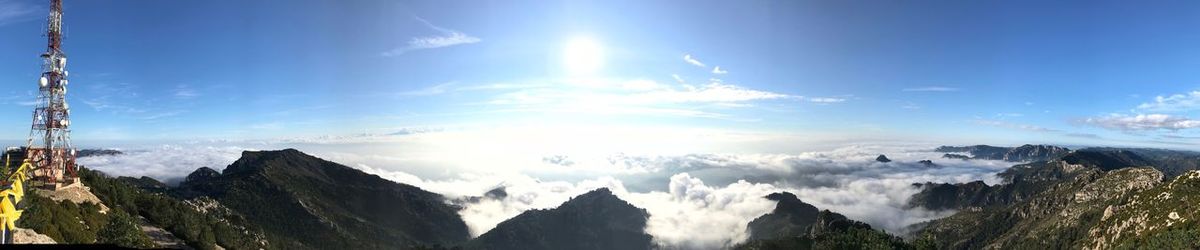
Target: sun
582,56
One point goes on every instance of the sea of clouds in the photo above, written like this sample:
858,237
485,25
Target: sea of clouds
695,200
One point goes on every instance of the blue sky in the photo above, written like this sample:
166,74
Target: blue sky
1002,72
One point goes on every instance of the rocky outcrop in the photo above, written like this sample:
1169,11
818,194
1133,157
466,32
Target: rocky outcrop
956,156
883,158
790,217
200,175
794,224
1086,199
76,193
1152,217
28,236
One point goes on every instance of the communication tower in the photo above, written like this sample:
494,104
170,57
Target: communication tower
49,147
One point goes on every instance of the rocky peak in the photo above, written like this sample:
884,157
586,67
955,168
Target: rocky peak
791,217
496,193
882,158
201,174
594,220
259,160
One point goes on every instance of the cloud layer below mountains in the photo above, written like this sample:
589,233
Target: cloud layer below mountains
696,200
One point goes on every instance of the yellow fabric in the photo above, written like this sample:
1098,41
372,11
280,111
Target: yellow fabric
12,195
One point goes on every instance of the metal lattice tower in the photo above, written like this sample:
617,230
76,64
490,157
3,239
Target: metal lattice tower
49,146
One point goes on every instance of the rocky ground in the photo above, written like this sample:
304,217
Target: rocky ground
160,236
28,236
77,193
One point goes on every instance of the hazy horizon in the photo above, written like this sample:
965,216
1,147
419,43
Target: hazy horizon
692,110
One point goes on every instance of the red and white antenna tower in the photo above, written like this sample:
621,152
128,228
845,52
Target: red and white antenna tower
49,147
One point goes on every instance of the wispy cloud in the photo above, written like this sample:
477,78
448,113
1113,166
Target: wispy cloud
717,70
825,100
931,89
1004,124
183,91
1084,135
1142,122
161,115
1182,137
1173,103
677,78
448,37
431,90
1009,115
638,97
688,58
16,11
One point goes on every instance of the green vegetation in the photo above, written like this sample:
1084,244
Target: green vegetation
1172,209
1114,198
849,238
122,230
67,222
304,202
202,230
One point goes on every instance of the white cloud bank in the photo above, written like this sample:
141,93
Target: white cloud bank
165,163
696,200
1142,122
1173,103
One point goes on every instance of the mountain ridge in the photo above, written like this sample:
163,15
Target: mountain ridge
291,193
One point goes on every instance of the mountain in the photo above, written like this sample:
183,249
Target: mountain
594,220
956,156
1020,182
978,151
302,201
794,224
1163,217
1023,153
882,158
97,152
1085,199
790,217
145,183
1171,162
1107,159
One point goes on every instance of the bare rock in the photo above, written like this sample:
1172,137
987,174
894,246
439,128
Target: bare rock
28,236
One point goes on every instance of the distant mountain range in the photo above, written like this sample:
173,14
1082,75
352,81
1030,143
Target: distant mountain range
1058,198
1096,198
1023,153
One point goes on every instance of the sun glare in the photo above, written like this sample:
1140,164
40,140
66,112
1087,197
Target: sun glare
582,56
